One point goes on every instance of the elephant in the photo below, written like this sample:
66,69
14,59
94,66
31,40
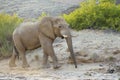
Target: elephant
42,33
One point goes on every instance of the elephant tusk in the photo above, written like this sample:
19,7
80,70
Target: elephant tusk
65,36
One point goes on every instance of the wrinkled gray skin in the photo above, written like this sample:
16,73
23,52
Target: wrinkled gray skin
31,35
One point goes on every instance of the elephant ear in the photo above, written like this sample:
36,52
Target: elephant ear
46,27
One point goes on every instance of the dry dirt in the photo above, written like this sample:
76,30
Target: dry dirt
97,55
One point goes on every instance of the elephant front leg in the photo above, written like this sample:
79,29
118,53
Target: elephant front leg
48,49
45,61
55,61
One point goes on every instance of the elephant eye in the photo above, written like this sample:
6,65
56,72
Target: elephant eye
60,26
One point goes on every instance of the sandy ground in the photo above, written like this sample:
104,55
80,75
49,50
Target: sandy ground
90,47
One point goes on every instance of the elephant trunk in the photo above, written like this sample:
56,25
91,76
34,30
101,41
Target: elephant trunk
70,47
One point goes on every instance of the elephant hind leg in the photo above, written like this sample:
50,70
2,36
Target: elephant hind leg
24,60
12,59
21,50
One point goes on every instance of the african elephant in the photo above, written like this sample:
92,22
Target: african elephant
28,36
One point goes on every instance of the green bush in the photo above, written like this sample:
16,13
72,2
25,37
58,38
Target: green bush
7,25
95,14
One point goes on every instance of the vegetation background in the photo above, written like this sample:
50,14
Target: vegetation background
95,14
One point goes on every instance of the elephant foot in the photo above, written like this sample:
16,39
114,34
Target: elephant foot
25,65
12,65
46,66
56,66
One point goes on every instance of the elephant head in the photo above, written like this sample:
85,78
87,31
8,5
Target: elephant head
58,27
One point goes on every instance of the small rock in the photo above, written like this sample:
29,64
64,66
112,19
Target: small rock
116,52
21,78
111,71
88,74
101,65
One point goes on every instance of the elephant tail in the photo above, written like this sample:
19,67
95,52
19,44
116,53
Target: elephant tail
16,51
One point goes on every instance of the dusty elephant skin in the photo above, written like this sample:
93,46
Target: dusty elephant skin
31,35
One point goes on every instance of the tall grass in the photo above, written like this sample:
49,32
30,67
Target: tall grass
7,25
